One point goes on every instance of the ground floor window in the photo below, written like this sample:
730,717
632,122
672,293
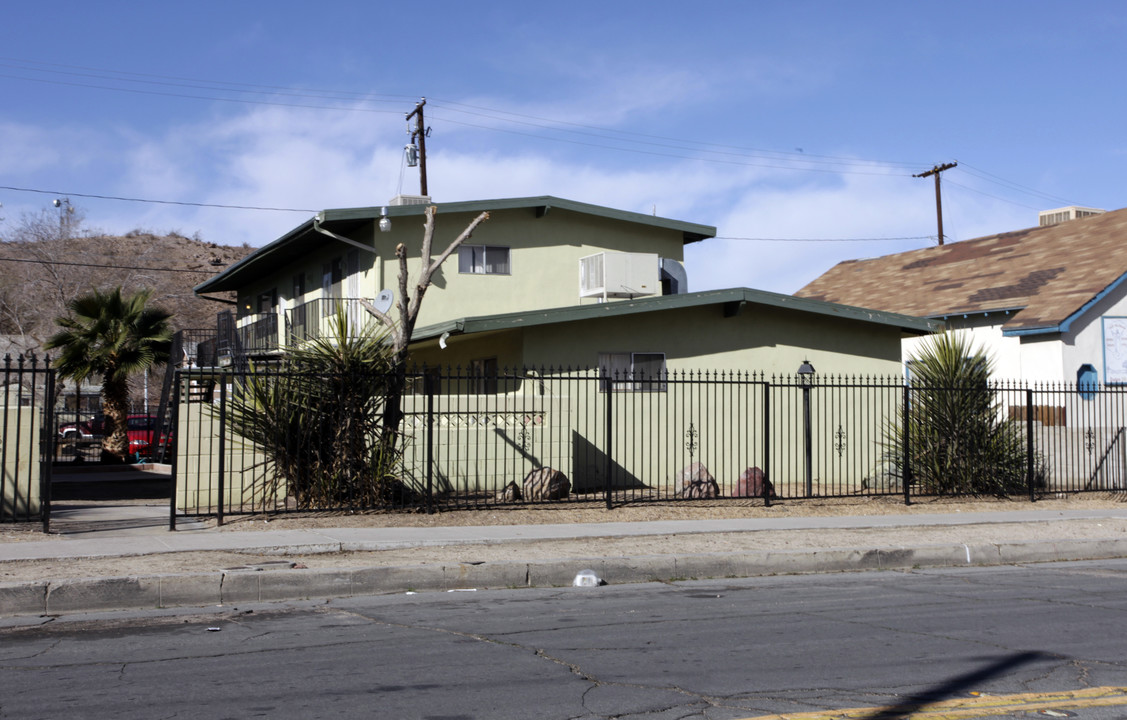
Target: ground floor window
484,376
632,371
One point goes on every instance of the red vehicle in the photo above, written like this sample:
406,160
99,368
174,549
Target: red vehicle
140,429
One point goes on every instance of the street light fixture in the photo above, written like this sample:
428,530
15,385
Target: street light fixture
806,377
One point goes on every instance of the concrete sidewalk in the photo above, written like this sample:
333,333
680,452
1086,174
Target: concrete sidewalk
191,538
265,582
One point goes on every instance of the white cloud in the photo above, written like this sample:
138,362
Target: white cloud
293,158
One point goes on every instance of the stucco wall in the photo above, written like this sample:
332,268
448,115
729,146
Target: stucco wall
19,446
205,477
760,339
544,261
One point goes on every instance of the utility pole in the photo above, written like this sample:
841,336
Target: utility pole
420,134
938,200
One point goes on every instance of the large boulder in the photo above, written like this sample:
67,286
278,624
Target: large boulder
545,484
694,474
697,483
751,484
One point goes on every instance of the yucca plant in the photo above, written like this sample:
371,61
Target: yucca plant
318,418
958,442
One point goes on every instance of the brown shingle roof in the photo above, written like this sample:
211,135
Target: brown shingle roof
1049,273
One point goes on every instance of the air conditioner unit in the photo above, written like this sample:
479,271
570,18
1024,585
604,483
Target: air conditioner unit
619,275
410,200
1064,214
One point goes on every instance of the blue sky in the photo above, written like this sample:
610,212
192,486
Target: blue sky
794,121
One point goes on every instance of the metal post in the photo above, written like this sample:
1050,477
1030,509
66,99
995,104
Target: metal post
906,466
807,439
428,388
48,454
766,444
174,432
1029,441
222,446
609,437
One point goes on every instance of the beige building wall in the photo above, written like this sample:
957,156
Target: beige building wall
724,426
246,484
544,262
20,497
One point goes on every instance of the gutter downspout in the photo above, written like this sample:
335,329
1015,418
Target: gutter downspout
320,217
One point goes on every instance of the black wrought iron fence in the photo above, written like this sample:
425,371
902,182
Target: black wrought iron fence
477,439
472,438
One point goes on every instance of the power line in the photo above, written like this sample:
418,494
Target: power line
731,154
107,267
156,202
989,195
137,91
990,177
464,108
504,116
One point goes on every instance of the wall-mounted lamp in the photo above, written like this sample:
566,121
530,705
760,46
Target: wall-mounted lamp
385,221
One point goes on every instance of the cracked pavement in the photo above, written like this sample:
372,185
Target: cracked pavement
721,650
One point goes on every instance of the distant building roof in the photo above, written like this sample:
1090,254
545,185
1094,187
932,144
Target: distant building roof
1045,276
304,238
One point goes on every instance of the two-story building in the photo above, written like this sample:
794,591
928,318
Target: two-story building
546,281
560,324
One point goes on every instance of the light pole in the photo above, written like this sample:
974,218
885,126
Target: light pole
805,377
66,212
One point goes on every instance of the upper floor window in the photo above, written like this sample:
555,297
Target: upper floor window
265,301
483,259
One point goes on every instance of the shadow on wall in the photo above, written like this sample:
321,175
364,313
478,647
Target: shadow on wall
589,468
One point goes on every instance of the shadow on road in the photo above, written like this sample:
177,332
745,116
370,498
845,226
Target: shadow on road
955,687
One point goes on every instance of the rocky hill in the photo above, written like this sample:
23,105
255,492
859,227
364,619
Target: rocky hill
40,275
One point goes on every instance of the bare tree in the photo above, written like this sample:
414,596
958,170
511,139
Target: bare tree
408,305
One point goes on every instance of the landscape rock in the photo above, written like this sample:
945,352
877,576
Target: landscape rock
546,484
694,474
509,493
697,483
751,483
706,490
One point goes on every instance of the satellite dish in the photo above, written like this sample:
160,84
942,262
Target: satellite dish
384,300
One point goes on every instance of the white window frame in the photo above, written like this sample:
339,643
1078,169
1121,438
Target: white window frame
468,266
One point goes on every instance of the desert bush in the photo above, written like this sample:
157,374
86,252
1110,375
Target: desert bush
958,441
317,418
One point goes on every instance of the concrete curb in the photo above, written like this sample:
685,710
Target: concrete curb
56,597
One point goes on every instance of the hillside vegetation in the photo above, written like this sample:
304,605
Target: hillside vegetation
45,263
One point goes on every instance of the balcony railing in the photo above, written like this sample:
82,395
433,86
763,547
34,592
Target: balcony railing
312,320
260,335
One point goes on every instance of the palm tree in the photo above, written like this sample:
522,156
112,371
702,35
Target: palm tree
112,336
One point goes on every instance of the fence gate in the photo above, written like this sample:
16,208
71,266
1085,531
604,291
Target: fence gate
27,439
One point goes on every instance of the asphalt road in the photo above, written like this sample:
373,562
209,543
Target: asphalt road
890,644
